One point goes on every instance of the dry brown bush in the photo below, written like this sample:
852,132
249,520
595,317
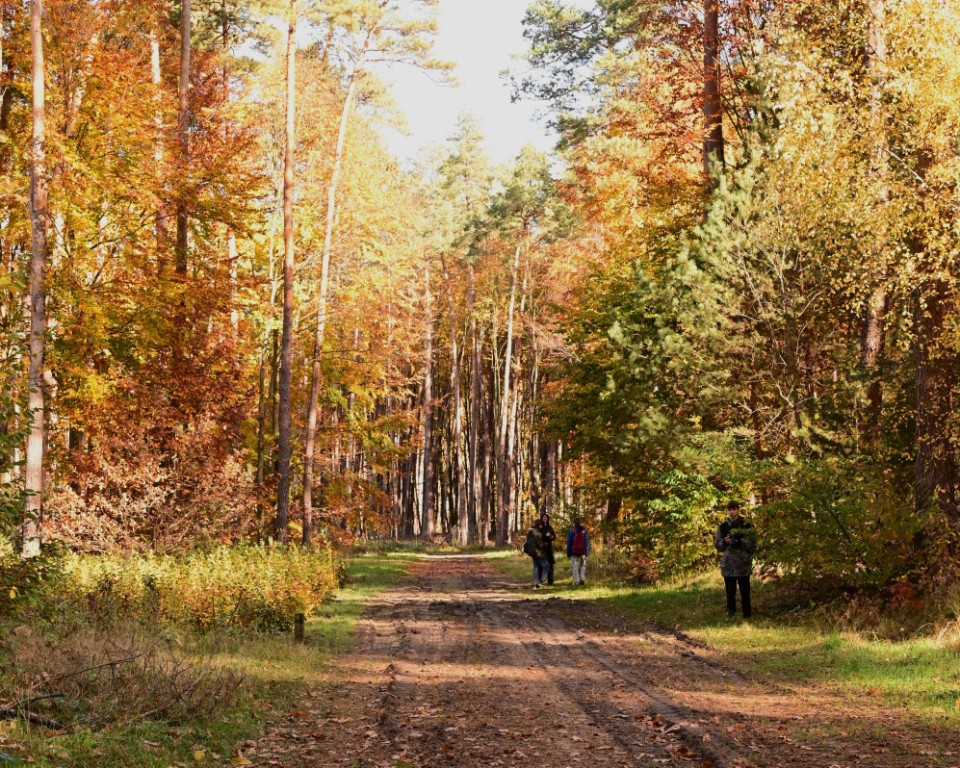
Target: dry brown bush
103,676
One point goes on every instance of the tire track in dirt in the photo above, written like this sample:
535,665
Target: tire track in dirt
457,672
461,669
691,740
645,730
636,730
436,631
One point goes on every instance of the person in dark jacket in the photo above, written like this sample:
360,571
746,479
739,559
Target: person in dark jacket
549,536
535,548
737,540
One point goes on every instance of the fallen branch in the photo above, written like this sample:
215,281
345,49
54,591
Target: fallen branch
33,699
111,663
20,710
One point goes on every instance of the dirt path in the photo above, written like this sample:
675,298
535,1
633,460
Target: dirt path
461,668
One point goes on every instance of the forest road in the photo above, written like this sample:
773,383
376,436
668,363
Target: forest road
462,668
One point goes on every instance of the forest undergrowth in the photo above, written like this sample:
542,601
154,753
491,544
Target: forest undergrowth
102,670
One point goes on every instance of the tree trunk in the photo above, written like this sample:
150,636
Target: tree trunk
267,389
274,400
160,217
514,492
39,214
475,406
712,106
427,511
548,477
614,505
456,430
232,266
503,470
313,402
183,133
487,512
6,94
936,467
872,334
286,344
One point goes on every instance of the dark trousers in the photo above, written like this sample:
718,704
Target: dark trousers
731,582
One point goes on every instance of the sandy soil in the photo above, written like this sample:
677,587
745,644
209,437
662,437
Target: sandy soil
462,668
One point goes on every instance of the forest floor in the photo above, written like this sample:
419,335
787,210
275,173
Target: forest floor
462,666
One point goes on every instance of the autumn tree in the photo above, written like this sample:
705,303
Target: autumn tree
386,31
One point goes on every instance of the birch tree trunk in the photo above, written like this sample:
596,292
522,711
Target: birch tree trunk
313,402
265,393
487,502
160,217
286,344
39,214
503,458
183,133
231,235
512,431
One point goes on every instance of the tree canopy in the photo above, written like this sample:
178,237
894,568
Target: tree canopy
736,277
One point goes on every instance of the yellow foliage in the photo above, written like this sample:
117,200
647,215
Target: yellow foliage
250,587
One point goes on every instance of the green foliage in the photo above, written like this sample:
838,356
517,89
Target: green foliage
12,433
678,525
243,587
25,581
840,522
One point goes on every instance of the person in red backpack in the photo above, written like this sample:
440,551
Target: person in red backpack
578,548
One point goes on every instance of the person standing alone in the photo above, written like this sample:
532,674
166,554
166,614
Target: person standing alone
578,548
737,540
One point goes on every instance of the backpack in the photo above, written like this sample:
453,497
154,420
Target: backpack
579,545
530,545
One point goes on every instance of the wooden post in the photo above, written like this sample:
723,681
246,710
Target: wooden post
298,627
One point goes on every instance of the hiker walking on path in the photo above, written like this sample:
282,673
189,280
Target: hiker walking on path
549,536
578,548
535,548
737,540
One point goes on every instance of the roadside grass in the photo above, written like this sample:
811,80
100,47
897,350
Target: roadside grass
415,547
795,647
276,670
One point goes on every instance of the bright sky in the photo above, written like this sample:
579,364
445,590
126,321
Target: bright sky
479,36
